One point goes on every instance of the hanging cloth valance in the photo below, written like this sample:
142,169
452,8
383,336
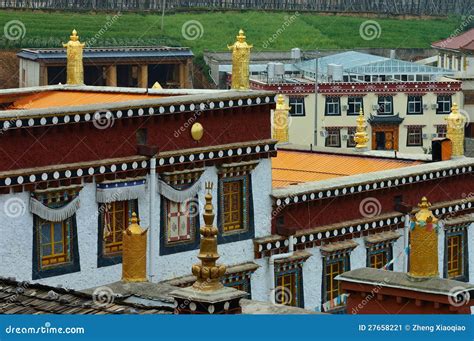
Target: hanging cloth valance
176,195
54,214
120,191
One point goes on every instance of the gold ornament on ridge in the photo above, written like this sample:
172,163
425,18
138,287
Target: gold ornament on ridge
74,52
240,62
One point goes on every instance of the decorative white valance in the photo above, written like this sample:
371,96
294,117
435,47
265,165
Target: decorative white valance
54,214
120,191
176,195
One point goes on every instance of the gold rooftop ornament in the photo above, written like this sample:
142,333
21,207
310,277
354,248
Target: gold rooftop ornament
134,252
361,137
281,120
424,243
455,130
240,62
75,69
208,273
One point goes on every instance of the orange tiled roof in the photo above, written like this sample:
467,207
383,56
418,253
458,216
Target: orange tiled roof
293,167
49,99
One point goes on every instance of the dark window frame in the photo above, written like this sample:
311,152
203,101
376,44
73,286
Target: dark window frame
334,131
414,144
248,232
354,105
328,102
420,111
376,249
465,254
60,269
299,289
295,103
381,101
351,131
346,259
440,110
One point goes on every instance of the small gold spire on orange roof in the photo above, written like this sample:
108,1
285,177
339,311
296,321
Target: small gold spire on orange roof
74,53
455,130
134,252
157,86
240,62
361,137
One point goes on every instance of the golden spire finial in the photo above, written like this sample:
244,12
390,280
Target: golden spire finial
134,252
361,137
240,62
208,273
75,68
157,86
455,130
424,243
281,120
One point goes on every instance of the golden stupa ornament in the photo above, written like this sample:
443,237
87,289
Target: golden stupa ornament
455,130
281,122
240,62
75,68
361,137
208,273
424,243
134,252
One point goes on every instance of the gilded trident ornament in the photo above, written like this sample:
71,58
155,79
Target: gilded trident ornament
74,52
240,62
455,130
208,273
361,137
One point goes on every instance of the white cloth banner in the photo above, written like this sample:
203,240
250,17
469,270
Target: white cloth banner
121,193
54,214
176,195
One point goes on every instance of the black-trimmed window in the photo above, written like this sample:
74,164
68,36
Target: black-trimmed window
414,136
179,225
415,105
350,137
354,104
379,256
333,137
334,265
385,105
456,255
297,106
333,106
289,286
114,218
441,130
443,104
235,214
55,245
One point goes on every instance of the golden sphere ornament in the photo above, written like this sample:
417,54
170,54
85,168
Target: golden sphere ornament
197,131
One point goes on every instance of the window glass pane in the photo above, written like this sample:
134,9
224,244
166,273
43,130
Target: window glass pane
58,248
46,233
58,232
46,250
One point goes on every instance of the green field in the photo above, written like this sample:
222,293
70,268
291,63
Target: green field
307,31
